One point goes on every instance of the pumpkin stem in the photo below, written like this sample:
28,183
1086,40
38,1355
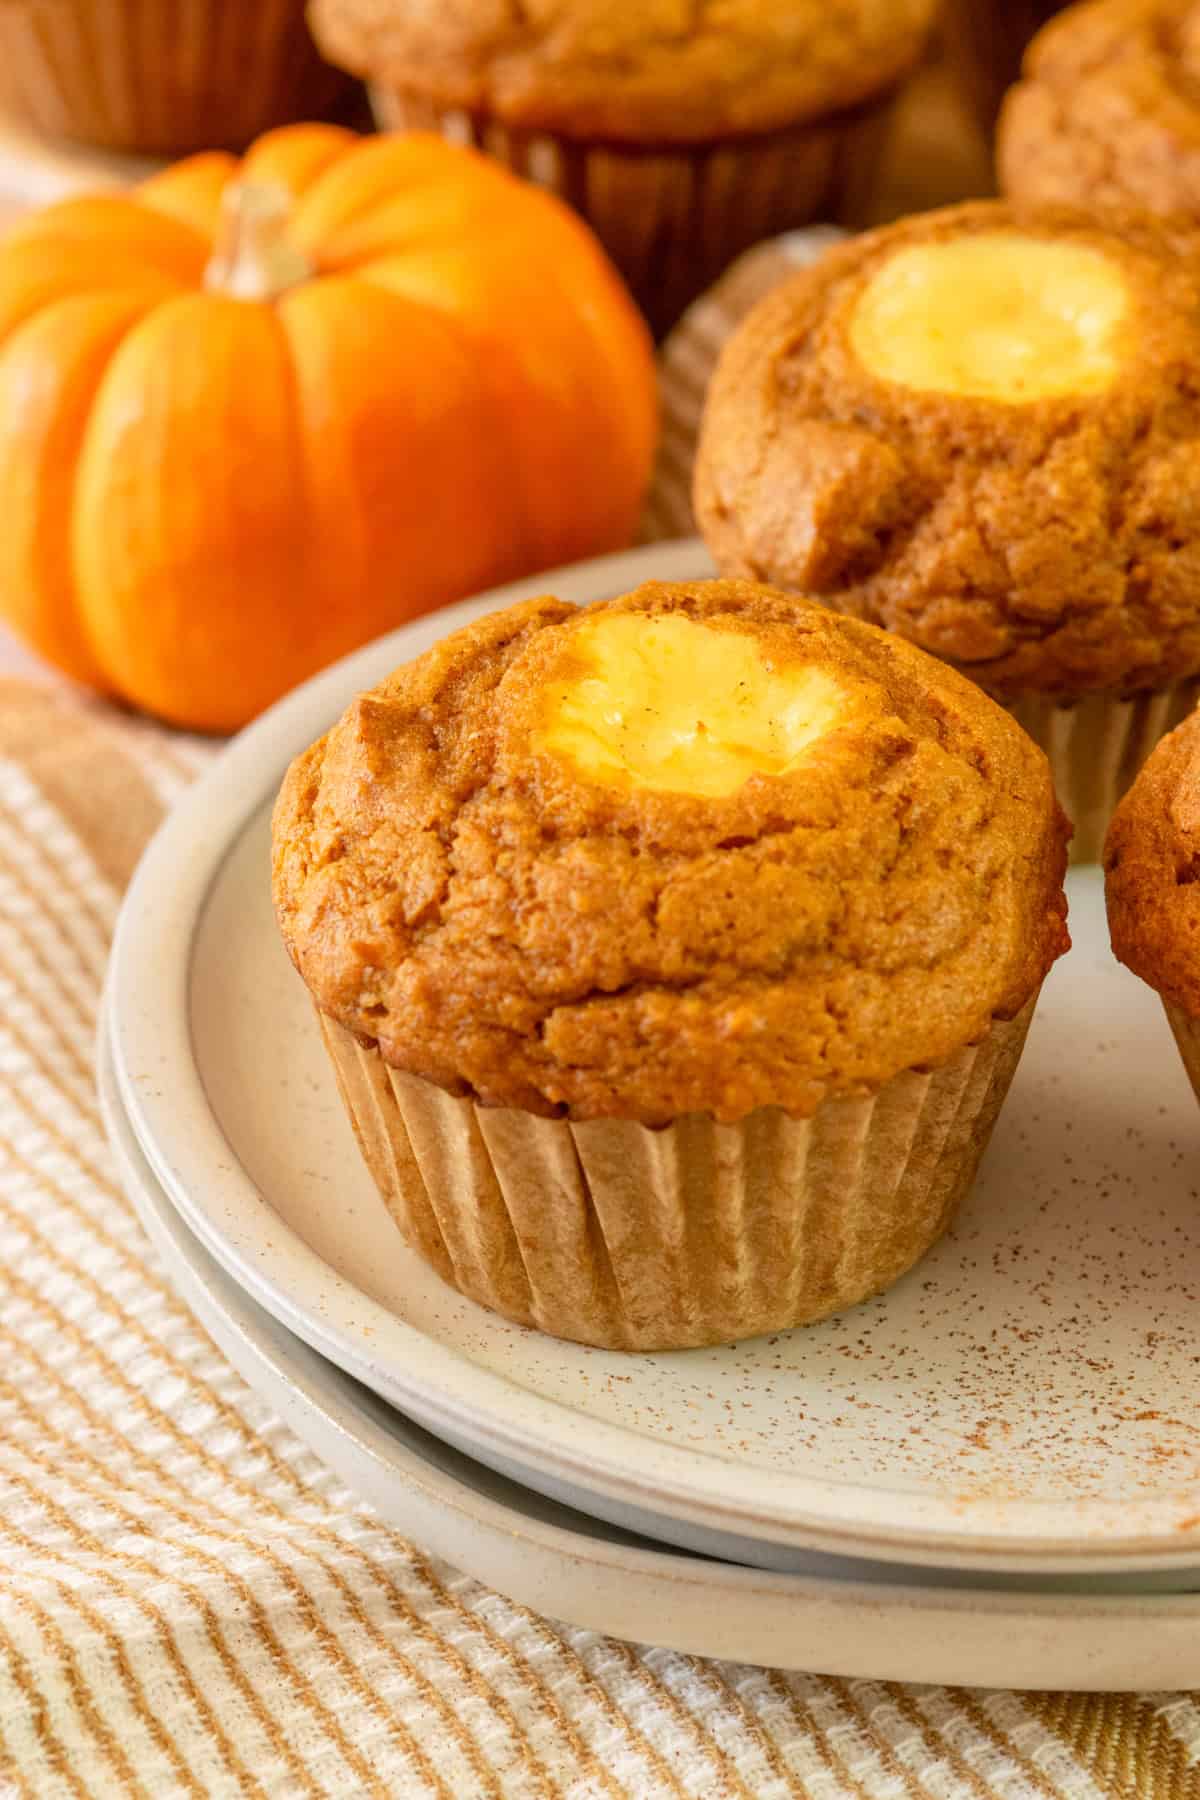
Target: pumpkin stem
252,258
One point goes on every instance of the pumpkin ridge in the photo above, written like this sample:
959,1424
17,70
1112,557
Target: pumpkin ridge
521,520
38,274
553,416
190,191
587,266
639,433
39,467
297,156
377,172
189,499
450,494
109,225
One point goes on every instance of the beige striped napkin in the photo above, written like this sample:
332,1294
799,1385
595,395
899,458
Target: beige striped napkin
190,1604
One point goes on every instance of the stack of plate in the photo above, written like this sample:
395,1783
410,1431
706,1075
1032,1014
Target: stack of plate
990,1474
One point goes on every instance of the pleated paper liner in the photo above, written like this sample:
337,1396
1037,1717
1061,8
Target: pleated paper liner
1186,1031
142,75
612,1234
674,217
1096,748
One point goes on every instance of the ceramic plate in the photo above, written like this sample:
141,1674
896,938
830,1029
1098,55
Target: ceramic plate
880,1622
1024,1399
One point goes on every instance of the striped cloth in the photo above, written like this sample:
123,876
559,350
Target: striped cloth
190,1604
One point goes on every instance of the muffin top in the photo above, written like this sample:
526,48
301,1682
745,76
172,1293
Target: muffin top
1108,111
1152,870
649,71
701,849
981,429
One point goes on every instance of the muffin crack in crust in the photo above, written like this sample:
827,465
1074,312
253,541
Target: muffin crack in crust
529,892
1035,521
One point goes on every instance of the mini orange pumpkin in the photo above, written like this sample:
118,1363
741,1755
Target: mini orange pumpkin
402,375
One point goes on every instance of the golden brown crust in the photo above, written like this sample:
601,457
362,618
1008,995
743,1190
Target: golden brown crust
1049,547
641,71
510,930
1152,870
1108,111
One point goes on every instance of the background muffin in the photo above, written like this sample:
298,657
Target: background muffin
143,76
683,134
1108,112
981,429
1152,883
675,955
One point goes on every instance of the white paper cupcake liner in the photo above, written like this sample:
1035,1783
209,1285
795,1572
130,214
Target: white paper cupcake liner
613,1234
1187,1035
1096,747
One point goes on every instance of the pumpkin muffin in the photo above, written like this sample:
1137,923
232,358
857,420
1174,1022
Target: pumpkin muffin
1152,883
682,133
1108,111
980,428
674,954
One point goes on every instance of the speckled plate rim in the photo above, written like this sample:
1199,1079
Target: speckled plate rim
165,1100
881,1630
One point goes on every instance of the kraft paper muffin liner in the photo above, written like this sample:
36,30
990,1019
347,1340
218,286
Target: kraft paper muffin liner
673,218
143,76
1096,747
616,1235
1187,1035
